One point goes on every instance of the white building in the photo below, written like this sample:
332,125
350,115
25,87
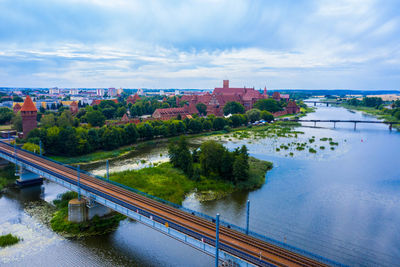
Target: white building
73,91
112,92
100,91
54,91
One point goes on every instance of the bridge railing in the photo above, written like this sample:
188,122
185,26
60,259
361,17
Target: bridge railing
196,213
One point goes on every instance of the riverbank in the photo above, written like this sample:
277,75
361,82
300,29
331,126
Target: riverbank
7,175
374,112
172,184
97,226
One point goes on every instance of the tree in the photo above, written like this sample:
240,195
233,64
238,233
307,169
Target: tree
95,118
6,115
17,122
265,115
32,147
202,108
17,99
48,120
65,119
121,111
233,108
397,114
180,156
219,123
269,104
240,168
210,157
253,114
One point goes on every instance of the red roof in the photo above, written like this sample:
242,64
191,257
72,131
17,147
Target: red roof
292,104
98,101
74,103
28,105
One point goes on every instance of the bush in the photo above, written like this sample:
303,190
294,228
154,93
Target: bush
8,240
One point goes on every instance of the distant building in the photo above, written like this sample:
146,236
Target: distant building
140,91
74,108
73,91
54,91
132,99
28,114
120,91
98,101
292,108
16,108
100,91
277,96
112,92
171,113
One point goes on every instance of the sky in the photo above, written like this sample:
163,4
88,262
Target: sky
284,44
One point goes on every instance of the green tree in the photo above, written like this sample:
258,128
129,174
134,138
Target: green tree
121,111
95,118
65,119
32,147
241,168
397,115
265,115
17,122
210,157
6,115
219,123
202,108
253,114
48,120
269,105
180,156
233,108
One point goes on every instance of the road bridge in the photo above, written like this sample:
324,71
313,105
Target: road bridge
327,102
228,243
348,121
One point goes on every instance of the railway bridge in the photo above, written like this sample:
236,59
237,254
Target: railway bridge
231,245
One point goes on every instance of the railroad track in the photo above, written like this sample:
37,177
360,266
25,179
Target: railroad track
261,250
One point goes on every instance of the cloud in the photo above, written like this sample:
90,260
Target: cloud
181,44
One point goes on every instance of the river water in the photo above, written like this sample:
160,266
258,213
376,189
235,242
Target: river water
341,204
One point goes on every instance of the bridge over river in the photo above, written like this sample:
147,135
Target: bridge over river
390,123
226,242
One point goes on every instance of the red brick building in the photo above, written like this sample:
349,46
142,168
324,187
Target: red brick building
28,114
171,113
98,101
16,108
132,99
292,108
74,107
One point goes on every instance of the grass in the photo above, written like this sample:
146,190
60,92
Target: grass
173,185
5,127
8,240
7,175
96,226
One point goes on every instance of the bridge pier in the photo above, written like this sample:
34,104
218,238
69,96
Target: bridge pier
355,126
81,210
27,178
327,104
315,103
334,124
315,124
390,126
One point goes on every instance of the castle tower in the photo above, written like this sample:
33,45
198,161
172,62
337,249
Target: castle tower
28,114
226,84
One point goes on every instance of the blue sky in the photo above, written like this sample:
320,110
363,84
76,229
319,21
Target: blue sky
197,43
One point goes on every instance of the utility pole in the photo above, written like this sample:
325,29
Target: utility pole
79,186
247,217
108,171
217,241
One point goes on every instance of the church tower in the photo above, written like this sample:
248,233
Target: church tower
28,114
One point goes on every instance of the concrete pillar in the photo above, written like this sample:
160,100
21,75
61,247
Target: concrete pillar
77,211
98,210
27,178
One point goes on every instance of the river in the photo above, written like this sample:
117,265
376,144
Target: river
341,204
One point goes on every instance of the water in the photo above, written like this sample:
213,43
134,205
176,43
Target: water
341,204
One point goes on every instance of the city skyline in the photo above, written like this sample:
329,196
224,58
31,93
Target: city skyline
196,44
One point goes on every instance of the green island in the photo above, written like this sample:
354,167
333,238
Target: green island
169,183
96,226
8,240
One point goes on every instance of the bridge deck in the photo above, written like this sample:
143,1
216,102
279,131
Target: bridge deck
261,252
